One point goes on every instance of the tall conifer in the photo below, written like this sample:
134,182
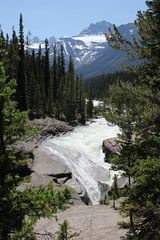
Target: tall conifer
144,113
21,78
46,68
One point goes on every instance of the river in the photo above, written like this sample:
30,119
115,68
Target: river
81,150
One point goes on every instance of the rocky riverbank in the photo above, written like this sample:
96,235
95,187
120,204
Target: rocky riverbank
90,222
46,167
43,168
112,147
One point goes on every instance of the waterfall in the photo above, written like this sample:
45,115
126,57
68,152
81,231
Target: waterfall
81,150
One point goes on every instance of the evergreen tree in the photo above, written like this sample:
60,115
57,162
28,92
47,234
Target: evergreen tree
7,42
28,67
70,98
13,56
2,46
19,210
81,101
40,79
46,69
63,233
90,105
115,191
144,115
144,200
21,78
55,84
12,127
62,62
61,91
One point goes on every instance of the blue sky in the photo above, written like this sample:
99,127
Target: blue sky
45,18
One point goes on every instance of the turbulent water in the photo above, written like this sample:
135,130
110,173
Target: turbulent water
81,150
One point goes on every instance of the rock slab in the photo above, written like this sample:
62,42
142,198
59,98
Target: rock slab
111,146
91,222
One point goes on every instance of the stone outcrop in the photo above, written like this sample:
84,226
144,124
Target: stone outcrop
74,183
44,165
89,222
110,146
43,168
50,126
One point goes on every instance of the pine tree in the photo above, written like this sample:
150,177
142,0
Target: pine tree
40,79
2,45
7,42
63,232
90,105
144,114
12,128
13,56
115,191
28,67
81,100
21,77
62,62
61,83
55,84
19,210
70,98
46,69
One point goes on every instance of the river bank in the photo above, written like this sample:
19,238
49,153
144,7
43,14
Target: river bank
71,157
42,168
89,222
58,159
81,151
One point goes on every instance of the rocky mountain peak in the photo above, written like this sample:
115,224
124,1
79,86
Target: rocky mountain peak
97,28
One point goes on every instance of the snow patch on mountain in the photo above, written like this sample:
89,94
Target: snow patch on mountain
36,45
91,39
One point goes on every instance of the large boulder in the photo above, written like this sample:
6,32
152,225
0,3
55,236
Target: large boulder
45,165
74,183
50,126
80,195
36,181
111,146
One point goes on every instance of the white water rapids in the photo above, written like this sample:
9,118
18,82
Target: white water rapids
81,150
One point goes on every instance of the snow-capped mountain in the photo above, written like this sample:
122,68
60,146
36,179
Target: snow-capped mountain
89,49
85,46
